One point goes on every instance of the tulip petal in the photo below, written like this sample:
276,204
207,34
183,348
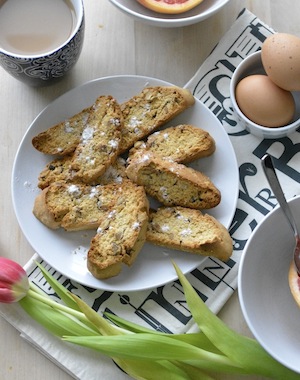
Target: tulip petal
6,295
14,283
10,271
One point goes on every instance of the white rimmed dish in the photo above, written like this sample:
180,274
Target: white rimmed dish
201,12
266,301
253,65
66,251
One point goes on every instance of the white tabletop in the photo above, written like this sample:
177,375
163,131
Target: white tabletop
114,44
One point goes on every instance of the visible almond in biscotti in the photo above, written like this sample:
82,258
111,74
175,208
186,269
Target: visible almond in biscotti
121,236
183,143
189,230
63,137
99,144
150,109
59,170
172,183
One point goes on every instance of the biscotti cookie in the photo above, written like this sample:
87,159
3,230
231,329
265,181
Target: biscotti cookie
147,111
183,143
59,170
52,204
172,183
99,144
73,207
189,230
63,137
121,236
115,173
77,207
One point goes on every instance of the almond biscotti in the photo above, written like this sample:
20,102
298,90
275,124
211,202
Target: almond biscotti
172,183
63,137
73,207
59,170
99,144
183,143
189,230
118,212
147,111
121,236
77,207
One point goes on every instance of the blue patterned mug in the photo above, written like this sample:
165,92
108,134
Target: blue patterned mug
41,67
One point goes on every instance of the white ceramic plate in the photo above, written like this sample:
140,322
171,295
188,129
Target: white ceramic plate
201,12
266,301
66,251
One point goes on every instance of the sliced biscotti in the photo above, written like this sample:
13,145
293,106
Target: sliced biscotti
99,144
59,170
150,109
63,137
172,183
52,204
121,236
183,143
189,230
77,207
72,206
115,173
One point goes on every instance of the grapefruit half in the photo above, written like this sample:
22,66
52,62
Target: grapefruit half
294,283
170,6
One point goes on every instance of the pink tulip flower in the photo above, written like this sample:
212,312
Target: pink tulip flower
14,283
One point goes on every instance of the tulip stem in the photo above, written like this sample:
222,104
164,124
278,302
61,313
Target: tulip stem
37,289
47,300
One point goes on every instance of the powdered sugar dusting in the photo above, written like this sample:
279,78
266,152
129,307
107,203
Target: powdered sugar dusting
68,128
185,232
113,143
87,134
134,122
135,225
165,228
74,190
115,121
80,250
94,192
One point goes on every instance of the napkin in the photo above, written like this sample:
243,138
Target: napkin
163,308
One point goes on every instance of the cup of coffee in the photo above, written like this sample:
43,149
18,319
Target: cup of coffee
40,40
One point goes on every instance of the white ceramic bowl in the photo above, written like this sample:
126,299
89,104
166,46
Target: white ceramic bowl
266,301
201,12
249,66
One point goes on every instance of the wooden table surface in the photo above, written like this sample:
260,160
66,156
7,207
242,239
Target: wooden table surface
114,44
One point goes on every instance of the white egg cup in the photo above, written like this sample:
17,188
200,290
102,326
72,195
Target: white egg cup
250,66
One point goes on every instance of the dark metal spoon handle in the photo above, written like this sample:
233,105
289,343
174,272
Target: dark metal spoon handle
269,170
277,190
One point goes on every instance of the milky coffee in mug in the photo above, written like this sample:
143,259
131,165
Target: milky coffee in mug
40,40
34,27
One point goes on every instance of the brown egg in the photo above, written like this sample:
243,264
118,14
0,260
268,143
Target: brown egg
280,55
264,103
